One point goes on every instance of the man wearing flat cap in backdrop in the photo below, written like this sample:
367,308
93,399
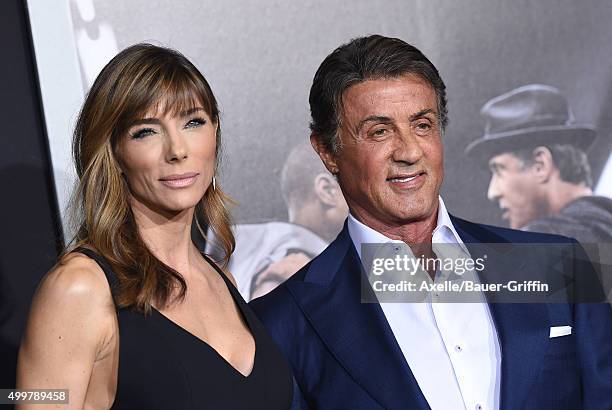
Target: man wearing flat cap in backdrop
378,109
541,178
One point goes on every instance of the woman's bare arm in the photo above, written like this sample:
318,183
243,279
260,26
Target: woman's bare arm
71,321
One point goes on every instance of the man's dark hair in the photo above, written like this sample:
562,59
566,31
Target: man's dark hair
571,161
365,58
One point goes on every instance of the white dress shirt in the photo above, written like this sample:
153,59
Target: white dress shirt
452,348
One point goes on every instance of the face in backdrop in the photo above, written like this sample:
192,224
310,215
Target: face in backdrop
390,165
169,160
516,190
337,214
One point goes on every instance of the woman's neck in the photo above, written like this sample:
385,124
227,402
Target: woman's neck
167,235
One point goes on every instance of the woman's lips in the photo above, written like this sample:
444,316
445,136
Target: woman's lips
179,180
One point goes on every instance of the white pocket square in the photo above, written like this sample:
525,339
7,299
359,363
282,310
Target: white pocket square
556,331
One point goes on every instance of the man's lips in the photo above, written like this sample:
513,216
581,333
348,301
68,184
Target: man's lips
404,177
407,180
179,180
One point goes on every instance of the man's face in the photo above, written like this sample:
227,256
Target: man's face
516,190
390,166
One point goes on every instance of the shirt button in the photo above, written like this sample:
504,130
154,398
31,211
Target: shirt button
459,349
478,407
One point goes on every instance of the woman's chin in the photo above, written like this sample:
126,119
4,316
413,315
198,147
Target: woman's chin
178,208
170,209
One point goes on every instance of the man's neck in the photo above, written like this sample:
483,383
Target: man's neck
411,232
562,193
416,234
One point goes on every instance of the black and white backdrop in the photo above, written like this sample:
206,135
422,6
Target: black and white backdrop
260,57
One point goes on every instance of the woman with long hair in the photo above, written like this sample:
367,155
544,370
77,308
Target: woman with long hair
134,316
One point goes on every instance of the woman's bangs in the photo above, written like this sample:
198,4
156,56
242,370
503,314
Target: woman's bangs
179,94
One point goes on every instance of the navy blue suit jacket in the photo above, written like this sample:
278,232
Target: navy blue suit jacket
344,354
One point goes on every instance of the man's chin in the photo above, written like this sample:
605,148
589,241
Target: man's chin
407,216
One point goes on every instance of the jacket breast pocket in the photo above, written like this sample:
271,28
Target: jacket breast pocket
558,382
561,346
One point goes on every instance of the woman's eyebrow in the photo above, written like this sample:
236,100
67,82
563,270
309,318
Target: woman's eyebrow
184,113
190,111
145,121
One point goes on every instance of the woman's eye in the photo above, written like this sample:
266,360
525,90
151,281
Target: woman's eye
143,133
195,122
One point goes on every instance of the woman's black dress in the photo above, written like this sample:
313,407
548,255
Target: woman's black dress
163,366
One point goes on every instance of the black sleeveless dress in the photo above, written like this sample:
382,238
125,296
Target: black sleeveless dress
163,366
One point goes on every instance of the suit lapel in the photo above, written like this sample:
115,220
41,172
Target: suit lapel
359,337
356,333
522,328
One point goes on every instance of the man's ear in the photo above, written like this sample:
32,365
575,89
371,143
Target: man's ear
543,164
325,189
328,158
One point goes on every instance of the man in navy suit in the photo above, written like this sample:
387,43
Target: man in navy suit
378,110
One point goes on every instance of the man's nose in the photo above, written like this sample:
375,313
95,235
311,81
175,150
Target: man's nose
493,192
176,147
407,148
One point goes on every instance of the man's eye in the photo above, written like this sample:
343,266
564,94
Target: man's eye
143,133
195,122
424,126
379,132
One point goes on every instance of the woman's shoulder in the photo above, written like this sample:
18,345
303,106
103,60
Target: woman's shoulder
73,298
72,324
76,277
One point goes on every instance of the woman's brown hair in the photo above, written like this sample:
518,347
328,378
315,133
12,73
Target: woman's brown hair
139,79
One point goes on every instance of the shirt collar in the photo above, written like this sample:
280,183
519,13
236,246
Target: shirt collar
444,232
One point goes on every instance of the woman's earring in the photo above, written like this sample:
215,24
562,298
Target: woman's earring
213,183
